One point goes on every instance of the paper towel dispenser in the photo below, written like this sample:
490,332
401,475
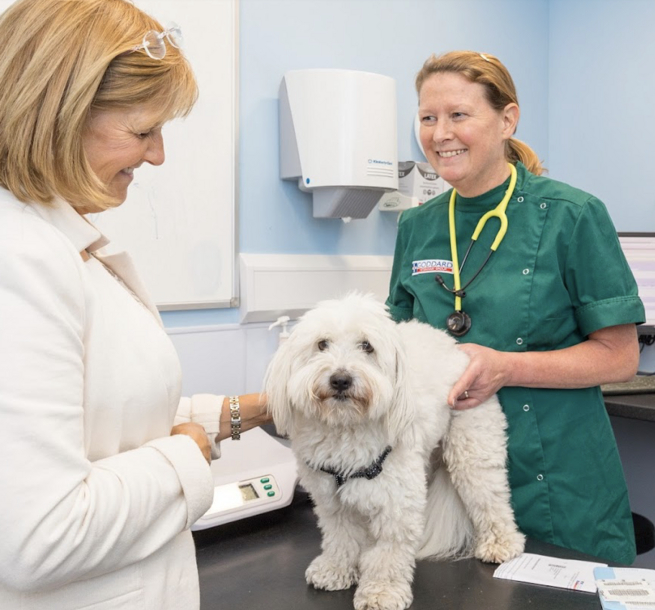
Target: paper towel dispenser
338,138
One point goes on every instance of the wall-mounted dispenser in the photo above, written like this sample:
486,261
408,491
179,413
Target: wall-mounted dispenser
338,138
417,183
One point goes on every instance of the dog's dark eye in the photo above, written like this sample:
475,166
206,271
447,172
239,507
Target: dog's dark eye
367,347
322,345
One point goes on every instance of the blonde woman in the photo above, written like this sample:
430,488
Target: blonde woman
99,487
547,313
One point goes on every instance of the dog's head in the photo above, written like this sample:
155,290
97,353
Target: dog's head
343,365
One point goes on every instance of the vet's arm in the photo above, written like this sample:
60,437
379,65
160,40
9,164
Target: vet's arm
609,355
253,413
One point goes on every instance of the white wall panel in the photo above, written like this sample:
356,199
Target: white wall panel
279,284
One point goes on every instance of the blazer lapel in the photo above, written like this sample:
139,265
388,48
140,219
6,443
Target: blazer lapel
121,264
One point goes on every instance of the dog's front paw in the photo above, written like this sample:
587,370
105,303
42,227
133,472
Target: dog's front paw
379,595
330,574
496,549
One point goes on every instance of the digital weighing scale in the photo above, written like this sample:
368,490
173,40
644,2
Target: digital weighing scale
254,475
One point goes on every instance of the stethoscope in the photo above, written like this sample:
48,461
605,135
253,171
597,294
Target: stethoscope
459,322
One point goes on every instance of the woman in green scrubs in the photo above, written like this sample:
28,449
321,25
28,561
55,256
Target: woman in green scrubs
552,312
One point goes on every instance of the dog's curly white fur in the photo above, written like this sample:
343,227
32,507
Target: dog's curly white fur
350,382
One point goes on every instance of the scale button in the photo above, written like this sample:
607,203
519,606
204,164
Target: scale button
270,494
269,486
264,480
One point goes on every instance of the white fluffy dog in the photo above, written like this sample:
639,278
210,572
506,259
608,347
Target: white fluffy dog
394,473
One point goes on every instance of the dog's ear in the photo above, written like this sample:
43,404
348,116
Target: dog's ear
275,386
402,412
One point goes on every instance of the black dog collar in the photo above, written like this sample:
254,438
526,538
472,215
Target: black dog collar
369,473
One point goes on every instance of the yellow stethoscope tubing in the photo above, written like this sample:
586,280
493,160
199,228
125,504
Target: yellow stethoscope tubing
500,212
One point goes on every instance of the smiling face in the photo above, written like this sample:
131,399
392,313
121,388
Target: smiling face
462,135
117,141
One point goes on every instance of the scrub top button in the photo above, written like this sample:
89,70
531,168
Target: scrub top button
526,271
520,199
540,477
526,408
519,341
543,205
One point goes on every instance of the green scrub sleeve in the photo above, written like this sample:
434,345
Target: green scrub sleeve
596,271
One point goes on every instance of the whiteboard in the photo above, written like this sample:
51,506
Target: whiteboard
178,222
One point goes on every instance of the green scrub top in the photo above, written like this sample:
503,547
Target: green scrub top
558,275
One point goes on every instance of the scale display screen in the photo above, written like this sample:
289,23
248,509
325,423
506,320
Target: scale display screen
236,495
248,492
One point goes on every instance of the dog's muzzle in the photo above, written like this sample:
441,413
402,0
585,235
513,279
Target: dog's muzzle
341,382
342,389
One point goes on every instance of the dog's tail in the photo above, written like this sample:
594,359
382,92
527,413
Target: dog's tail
448,529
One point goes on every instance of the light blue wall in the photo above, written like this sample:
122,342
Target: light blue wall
391,37
582,70
602,104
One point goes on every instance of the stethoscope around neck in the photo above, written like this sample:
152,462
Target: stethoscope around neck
459,322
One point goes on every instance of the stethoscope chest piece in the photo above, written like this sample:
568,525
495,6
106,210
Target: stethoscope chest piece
458,323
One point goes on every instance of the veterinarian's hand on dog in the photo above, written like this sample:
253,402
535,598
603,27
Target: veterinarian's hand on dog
483,377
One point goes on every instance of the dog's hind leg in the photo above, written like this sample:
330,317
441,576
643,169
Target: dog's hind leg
475,452
343,537
448,529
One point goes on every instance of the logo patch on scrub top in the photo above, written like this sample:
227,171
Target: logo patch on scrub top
431,266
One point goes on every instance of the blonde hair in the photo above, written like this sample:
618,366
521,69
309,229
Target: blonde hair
488,71
60,59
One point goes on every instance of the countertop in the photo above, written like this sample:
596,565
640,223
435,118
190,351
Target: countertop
633,406
259,564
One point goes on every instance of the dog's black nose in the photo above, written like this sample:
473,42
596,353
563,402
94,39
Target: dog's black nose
341,381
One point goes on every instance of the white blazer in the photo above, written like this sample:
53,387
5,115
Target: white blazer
95,497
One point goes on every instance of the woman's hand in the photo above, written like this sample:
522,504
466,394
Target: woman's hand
198,434
483,377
